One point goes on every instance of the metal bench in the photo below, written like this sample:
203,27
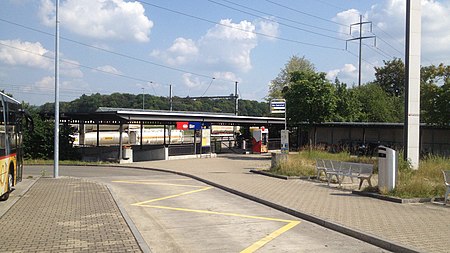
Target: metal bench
361,171
325,166
447,183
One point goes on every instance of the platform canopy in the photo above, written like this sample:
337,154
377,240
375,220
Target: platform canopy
136,116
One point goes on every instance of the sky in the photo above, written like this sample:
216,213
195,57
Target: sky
200,47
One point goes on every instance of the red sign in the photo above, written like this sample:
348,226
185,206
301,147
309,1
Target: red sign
183,125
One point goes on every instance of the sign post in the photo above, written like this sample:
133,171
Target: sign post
279,106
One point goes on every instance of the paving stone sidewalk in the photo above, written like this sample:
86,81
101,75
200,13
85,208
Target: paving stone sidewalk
66,215
421,227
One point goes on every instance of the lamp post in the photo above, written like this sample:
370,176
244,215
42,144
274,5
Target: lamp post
56,143
143,105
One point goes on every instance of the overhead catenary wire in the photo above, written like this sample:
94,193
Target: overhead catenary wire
241,29
305,13
112,52
283,24
285,19
79,65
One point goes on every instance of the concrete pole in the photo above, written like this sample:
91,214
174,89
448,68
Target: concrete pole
411,131
56,143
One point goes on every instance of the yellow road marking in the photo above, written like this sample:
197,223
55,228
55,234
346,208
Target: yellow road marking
169,197
212,212
166,184
252,248
154,180
257,245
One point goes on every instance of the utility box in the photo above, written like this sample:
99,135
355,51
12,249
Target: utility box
260,140
387,168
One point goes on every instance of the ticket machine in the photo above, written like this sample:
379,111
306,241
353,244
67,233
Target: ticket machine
260,140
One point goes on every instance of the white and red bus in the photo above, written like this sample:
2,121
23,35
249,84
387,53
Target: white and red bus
11,152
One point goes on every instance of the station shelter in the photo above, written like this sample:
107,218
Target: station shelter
131,135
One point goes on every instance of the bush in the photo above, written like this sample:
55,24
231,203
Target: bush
427,181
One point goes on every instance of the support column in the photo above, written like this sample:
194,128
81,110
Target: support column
411,138
120,141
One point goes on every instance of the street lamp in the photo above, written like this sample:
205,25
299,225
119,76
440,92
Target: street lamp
143,107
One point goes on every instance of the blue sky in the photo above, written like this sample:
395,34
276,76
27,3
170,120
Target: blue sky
134,46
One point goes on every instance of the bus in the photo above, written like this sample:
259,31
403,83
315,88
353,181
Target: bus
12,118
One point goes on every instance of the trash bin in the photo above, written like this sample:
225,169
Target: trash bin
127,152
387,168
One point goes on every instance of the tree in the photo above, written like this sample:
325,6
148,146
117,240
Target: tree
391,77
377,105
348,107
310,98
295,64
39,143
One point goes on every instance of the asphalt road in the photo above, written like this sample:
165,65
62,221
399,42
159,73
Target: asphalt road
179,214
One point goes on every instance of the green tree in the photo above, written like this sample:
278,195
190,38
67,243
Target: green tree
377,105
391,77
295,64
310,98
39,141
348,107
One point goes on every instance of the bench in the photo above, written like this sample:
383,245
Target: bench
324,166
340,170
447,183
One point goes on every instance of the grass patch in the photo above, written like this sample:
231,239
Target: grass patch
304,163
426,182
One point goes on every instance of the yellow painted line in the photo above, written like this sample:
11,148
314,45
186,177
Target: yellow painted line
212,212
259,244
165,184
154,180
252,248
172,196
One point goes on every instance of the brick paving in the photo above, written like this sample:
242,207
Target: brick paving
422,227
66,215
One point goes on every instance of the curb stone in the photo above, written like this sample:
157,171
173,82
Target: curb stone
137,235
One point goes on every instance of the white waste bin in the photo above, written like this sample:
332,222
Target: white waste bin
127,152
387,168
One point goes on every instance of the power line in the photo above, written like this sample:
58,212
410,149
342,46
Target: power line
282,18
208,86
110,51
240,29
305,13
79,65
268,19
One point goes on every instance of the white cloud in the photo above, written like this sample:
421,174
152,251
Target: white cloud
230,76
108,69
235,43
347,17
45,84
190,81
25,53
226,46
270,28
345,74
181,52
100,19
33,54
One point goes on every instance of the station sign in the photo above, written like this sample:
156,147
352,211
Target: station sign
278,106
195,125
184,125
